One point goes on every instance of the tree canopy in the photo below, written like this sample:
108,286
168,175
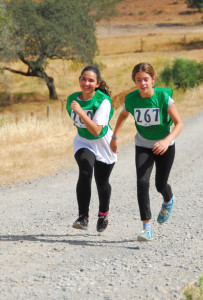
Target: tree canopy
195,3
5,30
50,29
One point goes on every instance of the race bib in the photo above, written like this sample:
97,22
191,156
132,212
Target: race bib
147,116
78,121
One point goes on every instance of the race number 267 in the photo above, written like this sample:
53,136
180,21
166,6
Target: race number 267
147,116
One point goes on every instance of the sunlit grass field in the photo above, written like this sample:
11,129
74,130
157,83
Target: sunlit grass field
34,145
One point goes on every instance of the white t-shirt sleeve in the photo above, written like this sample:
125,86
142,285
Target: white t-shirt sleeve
170,102
124,106
101,116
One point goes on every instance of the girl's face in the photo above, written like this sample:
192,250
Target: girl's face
144,82
88,84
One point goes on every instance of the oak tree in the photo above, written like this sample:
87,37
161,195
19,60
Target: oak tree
50,29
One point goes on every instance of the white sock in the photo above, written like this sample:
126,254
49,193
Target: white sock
147,226
169,203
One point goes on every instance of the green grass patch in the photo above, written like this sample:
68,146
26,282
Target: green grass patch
194,291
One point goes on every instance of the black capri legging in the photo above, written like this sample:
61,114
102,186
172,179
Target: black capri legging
87,163
145,159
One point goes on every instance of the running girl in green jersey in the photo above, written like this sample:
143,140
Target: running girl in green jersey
91,110
154,111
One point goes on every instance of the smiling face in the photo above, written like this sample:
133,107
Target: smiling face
88,84
144,83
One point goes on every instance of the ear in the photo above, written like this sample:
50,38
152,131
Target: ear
98,84
153,79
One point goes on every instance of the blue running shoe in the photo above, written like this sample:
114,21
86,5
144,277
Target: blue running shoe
145,235
165,213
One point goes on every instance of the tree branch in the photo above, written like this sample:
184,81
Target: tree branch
16,71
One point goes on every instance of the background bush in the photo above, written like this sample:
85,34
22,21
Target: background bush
182,74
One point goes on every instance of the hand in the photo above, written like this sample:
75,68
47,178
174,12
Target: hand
160,147
76,107
114,145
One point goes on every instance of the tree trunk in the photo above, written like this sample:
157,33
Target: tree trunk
51,87
35,68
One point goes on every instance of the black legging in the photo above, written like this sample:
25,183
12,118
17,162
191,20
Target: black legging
145,159
87,162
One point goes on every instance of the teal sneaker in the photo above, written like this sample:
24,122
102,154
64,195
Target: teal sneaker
145,235
165,213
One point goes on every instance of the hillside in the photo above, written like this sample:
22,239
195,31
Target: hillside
156,11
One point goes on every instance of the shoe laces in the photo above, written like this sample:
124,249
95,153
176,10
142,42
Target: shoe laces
164,212
146,231
81,217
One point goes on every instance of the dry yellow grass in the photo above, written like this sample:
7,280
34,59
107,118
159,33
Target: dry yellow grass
150,42
38,147
115,68
34,147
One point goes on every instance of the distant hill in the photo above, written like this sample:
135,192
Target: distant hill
156,11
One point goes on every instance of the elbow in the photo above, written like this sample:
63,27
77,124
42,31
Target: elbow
181,126
95,134
97,131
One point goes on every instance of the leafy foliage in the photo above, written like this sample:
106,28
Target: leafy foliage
182,74
51,29
195,3
6,30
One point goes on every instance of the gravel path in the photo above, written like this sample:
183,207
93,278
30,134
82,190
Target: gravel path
43,257
127,29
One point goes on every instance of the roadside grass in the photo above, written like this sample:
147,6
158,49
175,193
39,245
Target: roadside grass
193,291
33,147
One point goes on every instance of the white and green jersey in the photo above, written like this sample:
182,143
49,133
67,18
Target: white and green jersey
90,107
151,115
101,116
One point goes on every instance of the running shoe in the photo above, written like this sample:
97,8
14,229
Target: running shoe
165,213
145,235
81,223
102,222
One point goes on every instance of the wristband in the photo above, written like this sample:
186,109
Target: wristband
114,137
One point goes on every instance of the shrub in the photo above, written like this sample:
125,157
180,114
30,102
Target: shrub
182,74
167,75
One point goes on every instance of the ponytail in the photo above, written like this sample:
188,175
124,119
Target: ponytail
103,87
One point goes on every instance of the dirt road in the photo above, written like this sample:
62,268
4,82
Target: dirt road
43,257
122,29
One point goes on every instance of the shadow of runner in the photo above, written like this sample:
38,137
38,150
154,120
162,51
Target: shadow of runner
48,239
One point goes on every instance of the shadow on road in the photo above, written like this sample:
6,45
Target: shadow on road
68,239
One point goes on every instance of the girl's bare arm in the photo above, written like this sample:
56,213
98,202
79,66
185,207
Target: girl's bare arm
90,125
161,146
120,121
